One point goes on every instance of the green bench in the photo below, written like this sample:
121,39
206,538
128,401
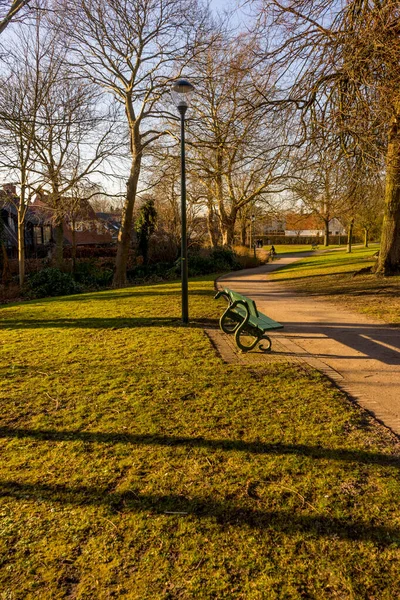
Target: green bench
242,319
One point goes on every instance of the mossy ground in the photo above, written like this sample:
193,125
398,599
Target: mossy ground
331,275
136,464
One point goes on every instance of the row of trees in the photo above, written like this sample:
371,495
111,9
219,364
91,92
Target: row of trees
86,91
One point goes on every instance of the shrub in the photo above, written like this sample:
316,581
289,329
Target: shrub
51,282
225,256
91,276
91,251
246,258
201,262
156,272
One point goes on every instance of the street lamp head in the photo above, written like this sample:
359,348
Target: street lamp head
181,92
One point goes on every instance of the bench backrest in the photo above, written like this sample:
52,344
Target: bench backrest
234,296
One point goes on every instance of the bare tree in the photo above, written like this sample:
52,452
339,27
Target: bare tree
25,83
133,49
164,181
237,151
74,138
9,11
370,211
321,188
339,66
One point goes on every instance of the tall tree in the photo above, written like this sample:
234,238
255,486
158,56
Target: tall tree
238,153
340,67
26,79
74,138
133,49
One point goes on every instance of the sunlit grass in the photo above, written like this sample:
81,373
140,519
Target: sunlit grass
136,464
331,274
294,248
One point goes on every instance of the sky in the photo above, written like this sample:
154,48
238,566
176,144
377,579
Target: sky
218,4
240,14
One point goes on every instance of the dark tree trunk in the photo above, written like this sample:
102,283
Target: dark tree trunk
243,233
6,276
59,245
212,233
326,234
389,254
124,236
350,236
73,246
366,239
21,247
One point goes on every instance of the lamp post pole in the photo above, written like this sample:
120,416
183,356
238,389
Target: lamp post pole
184,262
181,92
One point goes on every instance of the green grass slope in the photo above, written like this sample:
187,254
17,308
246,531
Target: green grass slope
136,464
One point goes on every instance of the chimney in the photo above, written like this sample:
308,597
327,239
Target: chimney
10,188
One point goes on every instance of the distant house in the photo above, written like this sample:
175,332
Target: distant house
38,229
297,224
111,223
272,225
80,223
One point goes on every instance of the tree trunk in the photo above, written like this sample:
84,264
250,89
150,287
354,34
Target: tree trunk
212,234
21,246
326,234
73,246
124,236
59,245
350,236
6,276
243,232
366,240
389,254
228,231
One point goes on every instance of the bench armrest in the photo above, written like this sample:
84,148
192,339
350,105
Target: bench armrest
223,294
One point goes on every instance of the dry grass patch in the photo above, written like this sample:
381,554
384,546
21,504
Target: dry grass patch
331,274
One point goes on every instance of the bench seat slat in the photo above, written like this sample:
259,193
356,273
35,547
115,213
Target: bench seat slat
260,321
250,303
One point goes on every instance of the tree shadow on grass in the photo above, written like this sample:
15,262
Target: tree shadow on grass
228,512
113,323
133,293
258,448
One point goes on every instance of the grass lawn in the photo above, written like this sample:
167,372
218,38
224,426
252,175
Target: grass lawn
330,274
293,248
136,464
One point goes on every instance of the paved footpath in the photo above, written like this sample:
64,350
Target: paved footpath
362,356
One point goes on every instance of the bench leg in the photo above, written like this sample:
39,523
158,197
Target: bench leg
246,348
239,343
267,347
227,324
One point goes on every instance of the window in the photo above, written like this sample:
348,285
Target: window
46,234
37,235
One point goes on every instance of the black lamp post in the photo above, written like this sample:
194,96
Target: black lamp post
181,92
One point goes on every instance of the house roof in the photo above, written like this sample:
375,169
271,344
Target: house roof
302,222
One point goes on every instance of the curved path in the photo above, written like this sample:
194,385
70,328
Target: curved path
362,356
